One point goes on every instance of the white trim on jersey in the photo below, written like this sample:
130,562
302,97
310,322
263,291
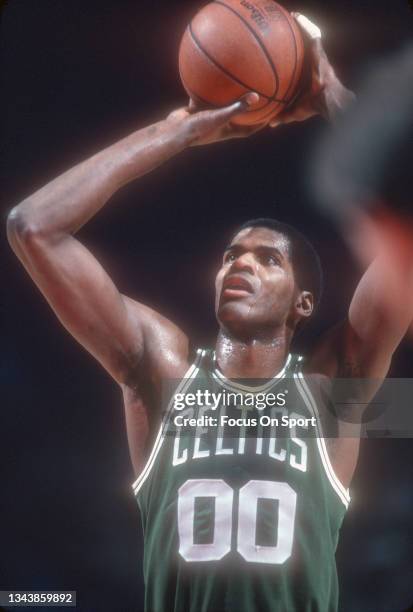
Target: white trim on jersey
229,384
335,482
189,375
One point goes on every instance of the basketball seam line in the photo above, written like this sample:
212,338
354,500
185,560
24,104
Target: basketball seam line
267,55
232,77
295,59
203,100
228,74
284,100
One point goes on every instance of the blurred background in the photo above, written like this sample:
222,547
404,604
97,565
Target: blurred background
75,76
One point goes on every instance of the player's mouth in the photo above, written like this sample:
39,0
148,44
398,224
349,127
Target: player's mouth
236,287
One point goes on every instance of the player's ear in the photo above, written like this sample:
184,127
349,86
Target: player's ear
304,304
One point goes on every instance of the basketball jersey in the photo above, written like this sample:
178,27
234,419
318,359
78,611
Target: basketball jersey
241,508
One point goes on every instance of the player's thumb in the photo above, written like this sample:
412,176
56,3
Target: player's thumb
223,115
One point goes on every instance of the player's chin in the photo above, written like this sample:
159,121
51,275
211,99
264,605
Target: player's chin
234,314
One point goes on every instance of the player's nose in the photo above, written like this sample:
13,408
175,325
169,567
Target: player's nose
244,262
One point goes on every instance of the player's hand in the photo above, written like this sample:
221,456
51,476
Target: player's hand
325,95
213,125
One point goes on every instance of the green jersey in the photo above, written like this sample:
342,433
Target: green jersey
240,505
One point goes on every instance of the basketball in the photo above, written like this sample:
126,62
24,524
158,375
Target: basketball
232,47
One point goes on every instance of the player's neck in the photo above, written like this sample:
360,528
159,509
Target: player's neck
251,359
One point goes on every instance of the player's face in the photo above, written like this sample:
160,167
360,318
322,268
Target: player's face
255,287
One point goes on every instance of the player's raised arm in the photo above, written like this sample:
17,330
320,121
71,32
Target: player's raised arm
41,232
381,310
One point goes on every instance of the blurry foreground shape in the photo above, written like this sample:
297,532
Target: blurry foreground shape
367,157
362,177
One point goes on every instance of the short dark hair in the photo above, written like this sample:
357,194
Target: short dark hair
303,256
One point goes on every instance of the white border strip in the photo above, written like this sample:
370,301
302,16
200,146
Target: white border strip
307,396
189,375
229,384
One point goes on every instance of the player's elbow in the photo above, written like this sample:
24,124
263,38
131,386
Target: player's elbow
21,227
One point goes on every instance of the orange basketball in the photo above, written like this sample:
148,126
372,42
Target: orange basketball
232,47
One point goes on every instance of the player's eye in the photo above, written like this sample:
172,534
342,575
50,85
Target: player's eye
229,257
270,260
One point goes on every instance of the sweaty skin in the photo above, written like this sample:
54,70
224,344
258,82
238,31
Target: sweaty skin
259,259
138,346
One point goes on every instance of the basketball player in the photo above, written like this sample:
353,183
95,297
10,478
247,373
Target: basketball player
232,521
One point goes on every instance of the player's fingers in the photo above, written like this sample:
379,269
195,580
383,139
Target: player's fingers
225,114
214,125
287,118
250,98
291,118
299,114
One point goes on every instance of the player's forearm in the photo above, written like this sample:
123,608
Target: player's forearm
67,202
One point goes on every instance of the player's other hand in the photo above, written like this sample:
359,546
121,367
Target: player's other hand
325,94
213,125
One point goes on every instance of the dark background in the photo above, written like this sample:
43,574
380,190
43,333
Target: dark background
75,76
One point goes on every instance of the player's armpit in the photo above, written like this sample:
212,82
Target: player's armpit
342,353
